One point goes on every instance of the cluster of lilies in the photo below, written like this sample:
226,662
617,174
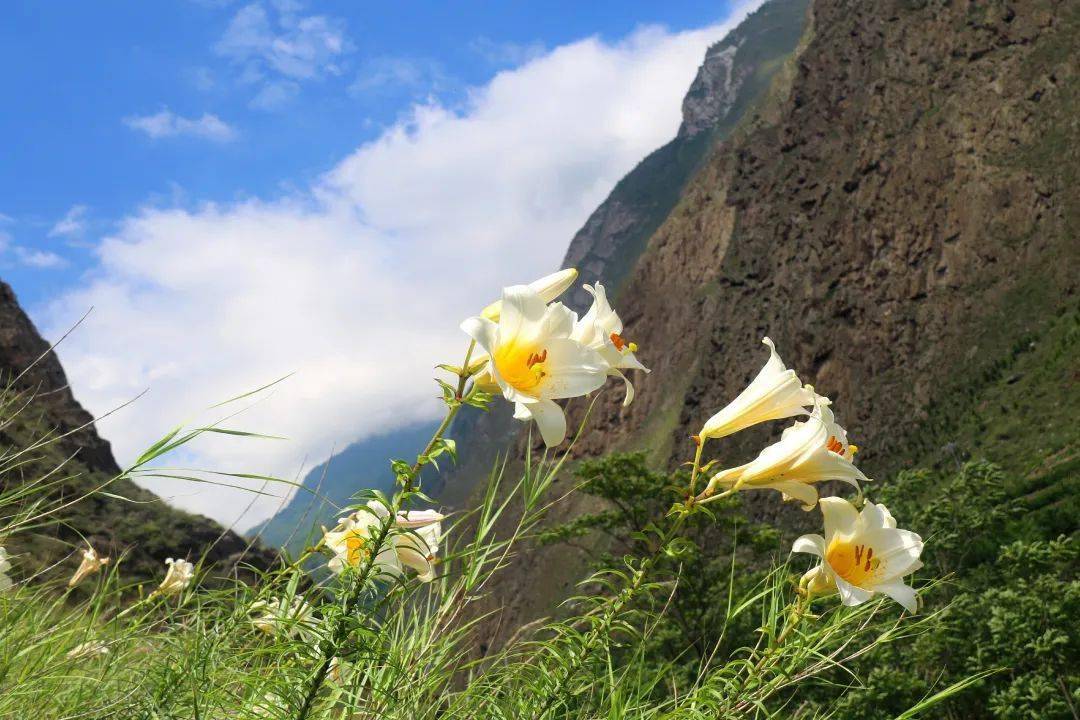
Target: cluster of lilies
535,351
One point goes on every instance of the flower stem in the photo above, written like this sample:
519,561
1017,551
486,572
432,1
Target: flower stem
339,634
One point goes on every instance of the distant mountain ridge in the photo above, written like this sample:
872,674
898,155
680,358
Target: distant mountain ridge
734,73
148,530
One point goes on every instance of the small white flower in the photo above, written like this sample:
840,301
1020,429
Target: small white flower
5,566
807,452
600,330
775,393
861,553
91,563
177,578
92,648
413,543
534,360
278,615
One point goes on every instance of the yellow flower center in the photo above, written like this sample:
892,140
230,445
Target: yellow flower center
355,547
521,366
853,562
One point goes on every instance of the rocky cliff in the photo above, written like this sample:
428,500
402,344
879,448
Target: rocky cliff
902,217
39,404
909,220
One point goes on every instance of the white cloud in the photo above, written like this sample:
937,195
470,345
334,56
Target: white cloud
506,53
358,283
166,124
275,95
395,74
73,224
41,259
276,48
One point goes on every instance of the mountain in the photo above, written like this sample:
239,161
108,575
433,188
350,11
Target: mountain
731,79
37,404
900,213
726,92
329,487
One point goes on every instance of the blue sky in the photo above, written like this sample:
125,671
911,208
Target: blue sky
245,190
76,70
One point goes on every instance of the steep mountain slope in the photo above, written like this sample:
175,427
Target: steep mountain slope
902,217
732,76
331,485
911,217
146,529
728,88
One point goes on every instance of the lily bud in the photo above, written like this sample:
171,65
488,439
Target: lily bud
548,288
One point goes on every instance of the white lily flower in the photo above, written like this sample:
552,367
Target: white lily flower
534,361
549,288
775,393
177,578
279,616
600,329
91,563
807,452
413,544
5,565
862,553
92,648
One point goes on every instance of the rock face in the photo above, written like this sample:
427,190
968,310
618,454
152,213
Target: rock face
732,76
147,530
901,216
910,216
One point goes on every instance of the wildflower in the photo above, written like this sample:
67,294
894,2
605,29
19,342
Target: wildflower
807,452
862,553
413,545
90,649
600,329
91,563
548,288
177,578
533,359
278,615
775,393
5,565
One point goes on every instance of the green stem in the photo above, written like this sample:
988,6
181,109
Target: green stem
697,468
330,649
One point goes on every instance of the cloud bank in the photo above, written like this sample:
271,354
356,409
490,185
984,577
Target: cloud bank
358,283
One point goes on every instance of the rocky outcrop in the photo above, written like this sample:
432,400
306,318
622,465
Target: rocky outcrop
39,404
